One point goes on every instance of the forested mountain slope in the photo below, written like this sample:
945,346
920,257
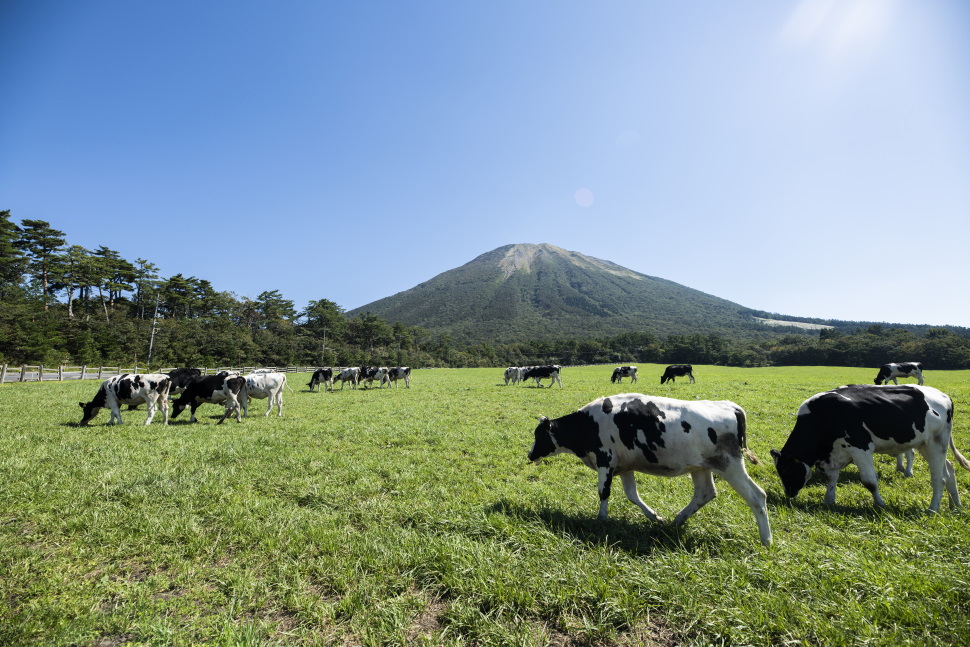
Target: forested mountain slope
522,292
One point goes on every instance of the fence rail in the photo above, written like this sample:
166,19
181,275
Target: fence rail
41,373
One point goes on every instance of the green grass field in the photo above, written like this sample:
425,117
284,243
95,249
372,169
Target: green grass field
411,516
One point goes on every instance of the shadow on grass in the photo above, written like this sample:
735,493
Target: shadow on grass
641,538
810,504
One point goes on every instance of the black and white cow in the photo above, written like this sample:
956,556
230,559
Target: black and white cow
370,373
225,387
512,375
677,370
851,423
542,372
150,388
268,385
181,377
345,375
321,376
902,369
621,372
399,373
622,434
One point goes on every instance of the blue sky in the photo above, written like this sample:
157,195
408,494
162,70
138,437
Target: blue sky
805,157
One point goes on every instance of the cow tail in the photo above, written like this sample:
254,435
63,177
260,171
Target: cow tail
964,463
743,436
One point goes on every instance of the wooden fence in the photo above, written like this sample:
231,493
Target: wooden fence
40,373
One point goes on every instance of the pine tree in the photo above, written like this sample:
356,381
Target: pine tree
41,243
12,260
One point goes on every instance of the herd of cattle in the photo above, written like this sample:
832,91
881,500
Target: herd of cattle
621,434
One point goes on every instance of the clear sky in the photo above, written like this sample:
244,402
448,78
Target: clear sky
804,157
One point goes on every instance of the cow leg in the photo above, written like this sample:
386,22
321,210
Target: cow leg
833,475
691,376
941,474
906,471
163,405
867,473
753,495
151,402
269,409
704,492
558,379
630,488
605,483
115,413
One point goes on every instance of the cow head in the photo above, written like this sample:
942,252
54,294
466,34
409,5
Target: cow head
90,411
178,406
544,444
793,472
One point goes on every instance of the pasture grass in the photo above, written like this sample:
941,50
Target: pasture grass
411,516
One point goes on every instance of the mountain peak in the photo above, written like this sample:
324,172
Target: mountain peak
522,256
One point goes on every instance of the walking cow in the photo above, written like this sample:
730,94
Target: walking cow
622,434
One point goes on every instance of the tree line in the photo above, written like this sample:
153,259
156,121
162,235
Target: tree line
65,304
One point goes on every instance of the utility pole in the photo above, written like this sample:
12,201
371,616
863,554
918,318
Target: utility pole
151,342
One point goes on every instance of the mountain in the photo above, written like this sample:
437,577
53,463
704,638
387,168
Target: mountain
524,292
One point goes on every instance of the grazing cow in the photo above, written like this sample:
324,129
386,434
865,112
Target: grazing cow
321,376
512,374
542,372
224,387
150,388
622,434
851,423
399,373
677,370
345,375
268,385
903,369
624,371
370,373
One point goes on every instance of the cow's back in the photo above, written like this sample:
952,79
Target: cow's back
653,434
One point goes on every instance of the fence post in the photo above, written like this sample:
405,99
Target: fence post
3,373
23,372
84,368
100,368
40,373
60,372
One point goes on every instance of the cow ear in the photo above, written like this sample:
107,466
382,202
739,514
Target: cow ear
80,404
775,454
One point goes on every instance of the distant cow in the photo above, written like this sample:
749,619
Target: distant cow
345,375
621,372
150,388
512,375
268,385
542,372
225,387
321,376
370,373
399,373
903,369
677,370
851,423
622,434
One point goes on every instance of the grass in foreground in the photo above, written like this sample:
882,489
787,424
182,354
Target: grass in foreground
399,517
